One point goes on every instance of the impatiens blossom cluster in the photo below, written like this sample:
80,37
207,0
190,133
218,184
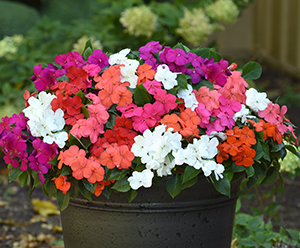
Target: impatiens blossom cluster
44,122
100,123
155,147
200,154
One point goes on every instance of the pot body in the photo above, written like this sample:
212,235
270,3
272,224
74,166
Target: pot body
198,217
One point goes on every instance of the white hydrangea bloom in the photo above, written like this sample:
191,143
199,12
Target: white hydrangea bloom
256,101
139,179
167,77
189,97
43,121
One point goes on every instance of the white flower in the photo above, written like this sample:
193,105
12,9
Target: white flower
256,101
189,97
219,169
222,136
118,58
139,179
185,156
140,147
167,77
206,147
43,121
207,167
128,74
154,148
166,168
59,138
242,114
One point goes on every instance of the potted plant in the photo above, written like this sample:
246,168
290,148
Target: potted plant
117,138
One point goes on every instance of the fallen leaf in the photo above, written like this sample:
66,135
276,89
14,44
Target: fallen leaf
44,208
47,226
4,203
57,229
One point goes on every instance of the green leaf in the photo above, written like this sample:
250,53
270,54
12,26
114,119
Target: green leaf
207,53
117,174
111,121
293,150
14,173
205,83
255,223
85,112
252,181
189,183
23,179
295,234
259,150
174,186
189,173
63,78
89,186
222,185
250,171
248,242
87,52
182,47
202,52
131,194
182,81
237,168
252,70
106,192
141,96
62,199
85,193
217,57
271,176
88,44
49,188
122,185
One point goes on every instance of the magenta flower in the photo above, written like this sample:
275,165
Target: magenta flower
176,56
228,106
150,47
98,58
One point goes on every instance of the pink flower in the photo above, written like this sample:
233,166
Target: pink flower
230,107
204,114
269,114
152,86
130,110
167,100
92,69
155,110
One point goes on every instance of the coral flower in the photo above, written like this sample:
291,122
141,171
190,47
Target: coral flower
62,184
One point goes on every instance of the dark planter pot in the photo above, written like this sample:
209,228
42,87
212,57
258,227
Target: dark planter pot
198,217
